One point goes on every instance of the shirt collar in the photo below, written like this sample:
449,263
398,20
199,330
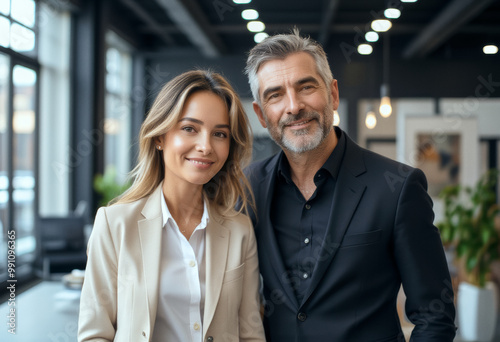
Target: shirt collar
331,165
167,216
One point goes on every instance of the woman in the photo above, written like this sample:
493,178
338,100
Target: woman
171,260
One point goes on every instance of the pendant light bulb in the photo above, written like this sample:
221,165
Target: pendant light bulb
370,120
336,118
385,102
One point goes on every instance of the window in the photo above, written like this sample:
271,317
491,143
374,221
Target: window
4,158
117,121
22,101
23,160
55,163
17,24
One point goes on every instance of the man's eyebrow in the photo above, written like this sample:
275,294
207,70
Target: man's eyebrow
270,90
199,122
309,79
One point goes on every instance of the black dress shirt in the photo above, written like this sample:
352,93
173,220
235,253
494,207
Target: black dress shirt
300,224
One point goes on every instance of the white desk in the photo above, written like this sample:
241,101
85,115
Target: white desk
46,312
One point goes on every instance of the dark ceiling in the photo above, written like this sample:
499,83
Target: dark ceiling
426,28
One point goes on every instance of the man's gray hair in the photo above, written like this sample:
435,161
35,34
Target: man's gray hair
279,47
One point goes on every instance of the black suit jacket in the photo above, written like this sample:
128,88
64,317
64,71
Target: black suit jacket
380,234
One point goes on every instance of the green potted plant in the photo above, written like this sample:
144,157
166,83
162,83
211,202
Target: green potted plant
107,186
469,226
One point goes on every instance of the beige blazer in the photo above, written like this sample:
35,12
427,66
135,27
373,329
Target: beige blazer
120,292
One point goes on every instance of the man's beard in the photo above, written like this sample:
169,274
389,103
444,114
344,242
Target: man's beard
303,140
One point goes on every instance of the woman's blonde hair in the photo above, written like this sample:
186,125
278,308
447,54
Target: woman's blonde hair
230,184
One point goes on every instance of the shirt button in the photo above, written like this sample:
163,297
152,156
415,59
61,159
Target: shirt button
196,326
192,263
143,334
302,316
308,206
210,339
305,276
306,241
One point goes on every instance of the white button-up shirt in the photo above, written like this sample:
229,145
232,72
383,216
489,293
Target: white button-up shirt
181,302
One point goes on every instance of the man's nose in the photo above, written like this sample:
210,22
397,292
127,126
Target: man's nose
294,103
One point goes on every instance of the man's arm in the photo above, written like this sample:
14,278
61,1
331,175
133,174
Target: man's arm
421,261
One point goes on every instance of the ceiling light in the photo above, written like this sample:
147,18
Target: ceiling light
490,49
381,25
365,49
249,14
260,37
241,2
408,0
256,26
371,36
392,13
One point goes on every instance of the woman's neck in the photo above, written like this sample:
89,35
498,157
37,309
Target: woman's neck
185,204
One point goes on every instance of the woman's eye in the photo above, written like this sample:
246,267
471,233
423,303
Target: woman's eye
221,134
188,129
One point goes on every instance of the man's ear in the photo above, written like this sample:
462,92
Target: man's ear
334,91
260,115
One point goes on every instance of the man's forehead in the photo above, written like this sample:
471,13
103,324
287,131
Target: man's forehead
290,69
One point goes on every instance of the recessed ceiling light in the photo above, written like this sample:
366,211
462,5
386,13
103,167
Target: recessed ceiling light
371,36
256,26
392,13
249,14
408,0
260,37
490,49
381,25
365,49
241,2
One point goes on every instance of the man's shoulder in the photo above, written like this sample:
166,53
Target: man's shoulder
260,168
372,159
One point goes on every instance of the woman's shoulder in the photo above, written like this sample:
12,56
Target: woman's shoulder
235,221
123,211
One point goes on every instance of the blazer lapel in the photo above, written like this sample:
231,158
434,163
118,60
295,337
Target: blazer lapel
348,192
217,245
150,235
268,246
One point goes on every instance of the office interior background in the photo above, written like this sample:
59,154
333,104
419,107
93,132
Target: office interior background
78,76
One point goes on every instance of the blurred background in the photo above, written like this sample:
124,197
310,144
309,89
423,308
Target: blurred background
78,76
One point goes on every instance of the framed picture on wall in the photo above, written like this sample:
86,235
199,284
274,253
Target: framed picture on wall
445,148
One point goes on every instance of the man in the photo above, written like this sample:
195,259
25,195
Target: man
339,228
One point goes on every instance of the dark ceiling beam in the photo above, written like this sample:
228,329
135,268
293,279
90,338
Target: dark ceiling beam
447,23
192,21
151,23
326,21
310,28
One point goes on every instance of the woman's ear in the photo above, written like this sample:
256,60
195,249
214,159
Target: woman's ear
158,142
